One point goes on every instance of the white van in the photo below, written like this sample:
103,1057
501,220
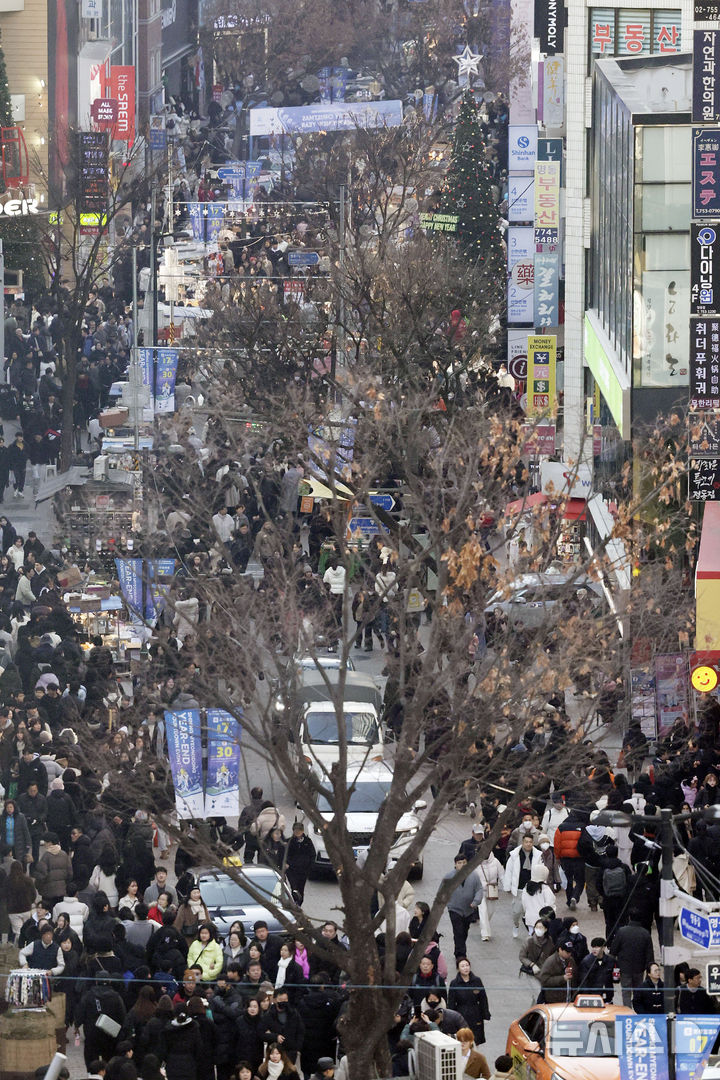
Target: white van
319,737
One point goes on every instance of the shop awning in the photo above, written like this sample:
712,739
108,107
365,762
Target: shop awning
575,510
519,506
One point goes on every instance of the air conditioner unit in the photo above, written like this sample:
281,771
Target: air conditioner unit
437,1056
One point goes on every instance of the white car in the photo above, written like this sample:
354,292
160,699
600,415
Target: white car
371,785
530,598
319,733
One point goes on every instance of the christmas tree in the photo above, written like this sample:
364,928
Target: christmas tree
6,114
468,189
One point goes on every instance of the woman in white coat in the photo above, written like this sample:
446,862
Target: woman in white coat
536,895
490,872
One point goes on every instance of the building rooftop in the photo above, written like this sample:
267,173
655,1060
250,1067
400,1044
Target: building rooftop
654,89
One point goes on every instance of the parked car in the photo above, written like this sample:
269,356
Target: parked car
228,900
370,787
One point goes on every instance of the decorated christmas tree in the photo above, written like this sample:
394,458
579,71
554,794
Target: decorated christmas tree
6,115
468,189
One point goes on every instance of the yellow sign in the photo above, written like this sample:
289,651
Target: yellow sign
704,679
93,220
547,198
541,357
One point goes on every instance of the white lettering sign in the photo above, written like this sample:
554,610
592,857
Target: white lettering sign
19,207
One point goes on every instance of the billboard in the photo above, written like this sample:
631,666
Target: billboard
521,197
704,270
705,174
326,116
542,352
552,95
550,25
547,288
522,148
122,88
547,202
705,363
521,274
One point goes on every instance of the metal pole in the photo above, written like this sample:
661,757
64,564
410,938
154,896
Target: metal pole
134,360
153,264
667,918
341,298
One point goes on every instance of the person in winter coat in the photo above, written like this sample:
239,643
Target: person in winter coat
225,1008
536,895
555,813
518,872
299,859
44,953
426,978
192,914
20,893
289,973
136,1022
53,872
466,995
60,813
181,1047
196,1008
592,846
15,832
535,951
613,884
81,855
319,1008
284,1025
99,926
207,952
152,1036
649,998
103,877
248,1042
558,975
490,872
268,818
463,903
96,1001
278,1063
709,793
597,969
566,851
167,949
633,947
76,912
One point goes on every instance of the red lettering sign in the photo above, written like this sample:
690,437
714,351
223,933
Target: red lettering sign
122,88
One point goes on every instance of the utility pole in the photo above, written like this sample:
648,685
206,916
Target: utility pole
135,383
341,298
153,263
666,910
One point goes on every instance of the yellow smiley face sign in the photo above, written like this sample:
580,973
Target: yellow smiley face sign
704,679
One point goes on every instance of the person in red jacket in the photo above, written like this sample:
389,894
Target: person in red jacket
566,852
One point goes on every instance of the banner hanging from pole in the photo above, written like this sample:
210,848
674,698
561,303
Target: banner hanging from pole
222,790
185,756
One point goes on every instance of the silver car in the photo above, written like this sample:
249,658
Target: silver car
530,598
227,901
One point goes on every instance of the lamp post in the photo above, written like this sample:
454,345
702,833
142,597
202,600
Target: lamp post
664,823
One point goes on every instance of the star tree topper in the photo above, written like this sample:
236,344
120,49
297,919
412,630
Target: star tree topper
467,62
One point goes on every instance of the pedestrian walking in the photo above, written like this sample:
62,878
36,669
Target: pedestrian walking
463,904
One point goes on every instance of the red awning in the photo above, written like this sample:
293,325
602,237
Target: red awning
575,510
519,506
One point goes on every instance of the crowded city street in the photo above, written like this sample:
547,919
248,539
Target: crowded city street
359,602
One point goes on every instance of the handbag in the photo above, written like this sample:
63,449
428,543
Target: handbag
191,929
108,1026
492,891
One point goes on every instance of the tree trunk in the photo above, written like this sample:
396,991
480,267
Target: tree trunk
364,1033
68,400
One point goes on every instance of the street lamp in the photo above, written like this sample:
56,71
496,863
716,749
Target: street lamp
619,819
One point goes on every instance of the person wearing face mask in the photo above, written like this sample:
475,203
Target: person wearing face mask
525,828
572,932
555,877
555,813
536,895
517,874
535,951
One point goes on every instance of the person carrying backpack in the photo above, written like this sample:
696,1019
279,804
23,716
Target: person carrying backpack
613,885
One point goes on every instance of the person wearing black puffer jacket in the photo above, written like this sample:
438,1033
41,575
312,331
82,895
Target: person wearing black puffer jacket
319,1008
181,1047
167,946
225,1008
100,926
249,1028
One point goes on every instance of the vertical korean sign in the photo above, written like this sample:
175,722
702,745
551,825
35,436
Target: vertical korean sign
547,288
542,352
222,791
185,756
705,174
122,88
706,77
547,202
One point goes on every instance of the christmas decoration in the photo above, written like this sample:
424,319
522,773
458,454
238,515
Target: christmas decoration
468,190
468,62
6,113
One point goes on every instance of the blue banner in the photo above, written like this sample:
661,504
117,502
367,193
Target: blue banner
694,1040
197,220
158,572
185,756
214,220
324,75
145,357
129,572
324,116
641,1045
338,83
222,791
167,365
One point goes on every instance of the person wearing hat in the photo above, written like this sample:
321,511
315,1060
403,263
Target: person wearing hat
61,812
299,859
325,1069
558,975
472,845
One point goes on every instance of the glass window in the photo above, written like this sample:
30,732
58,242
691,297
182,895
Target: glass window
665,154
633,32
366,798
533,1026
361,728
664,250
663,208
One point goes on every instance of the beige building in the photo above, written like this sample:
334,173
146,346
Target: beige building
24,26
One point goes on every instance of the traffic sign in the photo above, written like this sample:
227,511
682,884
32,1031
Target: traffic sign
366,526
694,928
712,977
714,921
303,258
384,501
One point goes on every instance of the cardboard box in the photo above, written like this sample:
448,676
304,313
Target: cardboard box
113,418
